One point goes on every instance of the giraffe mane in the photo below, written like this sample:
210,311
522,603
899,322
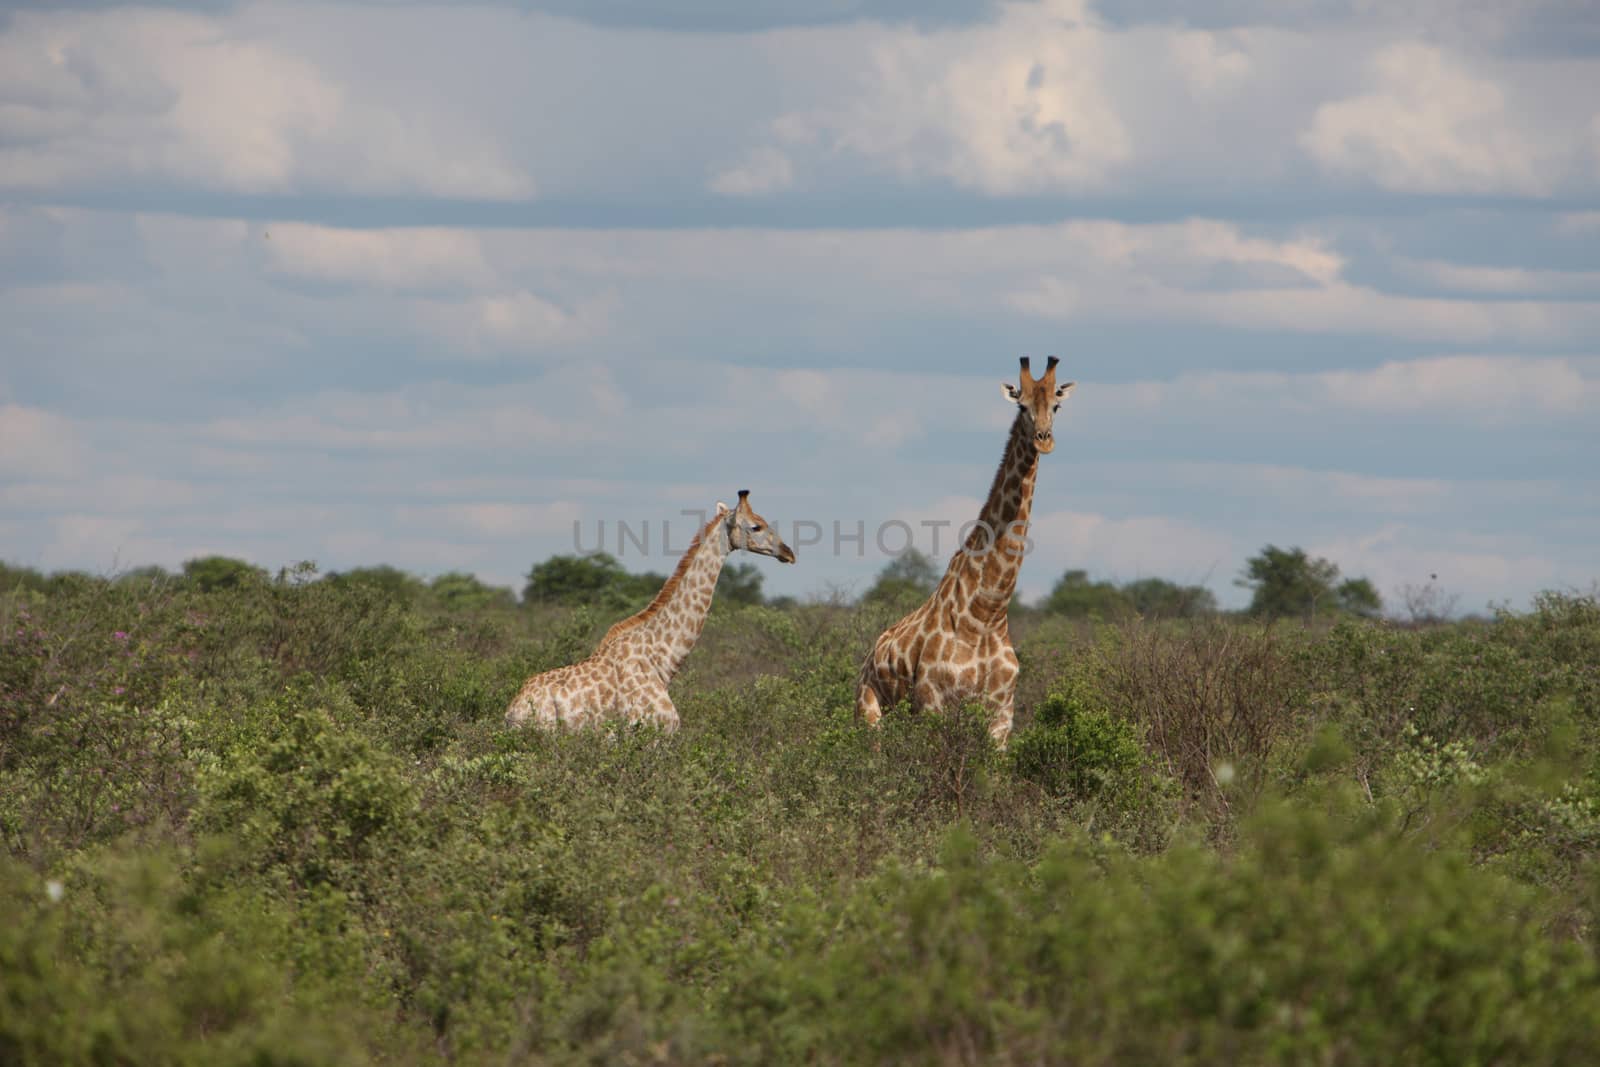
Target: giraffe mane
665,593
996,488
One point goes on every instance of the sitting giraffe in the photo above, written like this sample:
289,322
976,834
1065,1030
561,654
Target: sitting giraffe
627,674
956,647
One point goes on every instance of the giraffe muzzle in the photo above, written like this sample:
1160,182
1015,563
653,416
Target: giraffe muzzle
1044,442
785,554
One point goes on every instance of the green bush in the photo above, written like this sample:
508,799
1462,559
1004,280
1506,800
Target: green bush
280,821
120,960
309,802
1077,749
1315,942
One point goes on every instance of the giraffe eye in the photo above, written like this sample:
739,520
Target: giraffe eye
755,527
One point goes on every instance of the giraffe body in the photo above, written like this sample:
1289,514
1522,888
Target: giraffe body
956,647
625,679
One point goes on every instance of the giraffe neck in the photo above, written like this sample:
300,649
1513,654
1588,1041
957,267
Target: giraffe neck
983,575
673,621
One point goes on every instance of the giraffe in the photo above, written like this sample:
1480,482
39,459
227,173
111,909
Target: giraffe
956,647
626,676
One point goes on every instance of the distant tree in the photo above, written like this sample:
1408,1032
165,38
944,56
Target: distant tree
458,591
14,578
1287,582
1159,598
212,573
1076,596
909,576
573,579
740,583
1359,596
64,582
394,583
149,576
597,578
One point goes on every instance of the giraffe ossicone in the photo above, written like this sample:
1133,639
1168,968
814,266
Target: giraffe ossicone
956,647
625,678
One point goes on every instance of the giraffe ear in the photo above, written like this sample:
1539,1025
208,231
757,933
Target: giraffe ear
1011,392
1063,391
722,509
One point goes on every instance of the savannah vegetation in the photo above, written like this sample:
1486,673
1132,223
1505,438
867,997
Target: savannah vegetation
274,818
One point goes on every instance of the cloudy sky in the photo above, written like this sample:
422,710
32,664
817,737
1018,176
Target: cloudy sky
426,285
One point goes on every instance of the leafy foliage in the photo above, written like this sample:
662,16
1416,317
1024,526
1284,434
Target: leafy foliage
739,583
1157,598
597,579
1075,595
1077,748
280,822
1287,582
211,574
390,582
461,592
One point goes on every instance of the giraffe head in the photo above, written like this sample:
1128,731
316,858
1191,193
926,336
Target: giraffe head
1039,399
751,532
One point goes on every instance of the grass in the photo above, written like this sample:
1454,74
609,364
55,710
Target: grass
282,823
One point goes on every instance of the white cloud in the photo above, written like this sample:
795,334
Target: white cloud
112,541
39,443
497,520
421,258
519,322
1431,126
1497,388
440,419
848,406
1494,390
119,494
134,94
1520,280
763,170
1208,62
1206,271
1301,490
1127,547
1015,106
1579,223
1476,568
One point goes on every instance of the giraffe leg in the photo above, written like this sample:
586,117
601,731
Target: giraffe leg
536,703
1000,725
665,714
650,704
928,696
519,712
868,707
878,683
1001,697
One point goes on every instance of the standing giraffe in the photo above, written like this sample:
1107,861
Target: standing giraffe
627,674
956,647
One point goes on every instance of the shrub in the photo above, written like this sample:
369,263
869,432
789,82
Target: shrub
119,960
300,833
1212,696
1077,749
310,802
1315,942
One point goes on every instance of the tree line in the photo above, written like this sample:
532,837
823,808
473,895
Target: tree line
1283,582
